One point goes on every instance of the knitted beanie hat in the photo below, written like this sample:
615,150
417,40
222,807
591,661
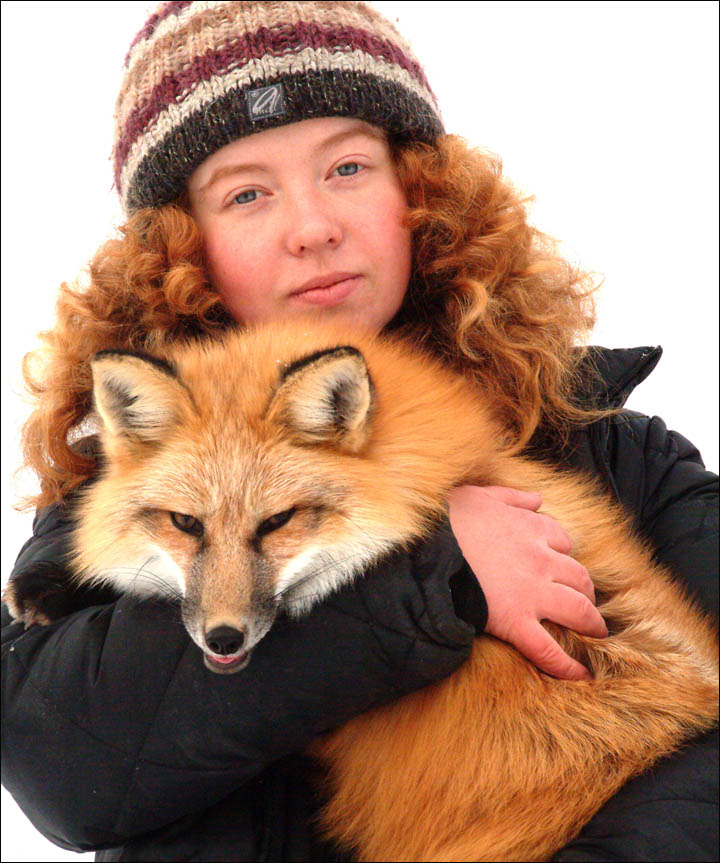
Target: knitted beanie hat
202,74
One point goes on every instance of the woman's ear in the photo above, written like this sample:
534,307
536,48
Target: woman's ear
326,397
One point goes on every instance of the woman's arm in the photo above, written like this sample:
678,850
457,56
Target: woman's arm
113,727
671,812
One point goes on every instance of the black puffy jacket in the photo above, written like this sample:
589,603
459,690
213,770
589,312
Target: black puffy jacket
115,737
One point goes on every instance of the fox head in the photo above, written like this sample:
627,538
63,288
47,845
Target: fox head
256,474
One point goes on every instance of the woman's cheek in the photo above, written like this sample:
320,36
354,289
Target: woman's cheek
230,264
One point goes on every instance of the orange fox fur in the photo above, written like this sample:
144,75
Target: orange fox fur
497,762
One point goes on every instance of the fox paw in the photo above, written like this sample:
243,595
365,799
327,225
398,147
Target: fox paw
38,598
26,613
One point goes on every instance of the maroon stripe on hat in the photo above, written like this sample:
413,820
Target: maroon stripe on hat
311,35
156,18
261,43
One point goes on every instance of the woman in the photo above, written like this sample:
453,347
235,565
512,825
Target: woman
293,219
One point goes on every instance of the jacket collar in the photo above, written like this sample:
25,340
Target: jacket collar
607,377
611,374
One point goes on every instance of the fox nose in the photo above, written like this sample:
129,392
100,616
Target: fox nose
225,640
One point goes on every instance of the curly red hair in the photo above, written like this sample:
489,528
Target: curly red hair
489,294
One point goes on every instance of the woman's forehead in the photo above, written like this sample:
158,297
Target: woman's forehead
316,135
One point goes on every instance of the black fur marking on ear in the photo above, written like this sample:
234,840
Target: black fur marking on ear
121,403
340,407
163,365
340,351
341,404
122,399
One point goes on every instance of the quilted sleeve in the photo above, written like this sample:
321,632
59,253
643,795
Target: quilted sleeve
112,727
670,813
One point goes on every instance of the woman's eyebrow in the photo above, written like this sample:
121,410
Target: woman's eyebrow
228,171
326,144
339,137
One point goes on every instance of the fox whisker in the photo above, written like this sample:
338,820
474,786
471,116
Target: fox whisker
141,573
335,562
304,598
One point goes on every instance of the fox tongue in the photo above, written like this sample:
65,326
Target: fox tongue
226,664
226,660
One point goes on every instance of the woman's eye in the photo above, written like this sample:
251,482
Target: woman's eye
348,169
187,523
247,197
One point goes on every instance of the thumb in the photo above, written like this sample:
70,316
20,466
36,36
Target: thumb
536,644
513,496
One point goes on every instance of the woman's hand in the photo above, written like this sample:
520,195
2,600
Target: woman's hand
521,559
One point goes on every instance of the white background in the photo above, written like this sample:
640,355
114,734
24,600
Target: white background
606,112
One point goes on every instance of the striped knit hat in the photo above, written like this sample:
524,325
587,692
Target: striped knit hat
202,74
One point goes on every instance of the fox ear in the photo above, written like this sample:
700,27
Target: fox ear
138,397
326,397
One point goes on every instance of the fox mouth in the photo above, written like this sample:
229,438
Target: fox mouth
226,664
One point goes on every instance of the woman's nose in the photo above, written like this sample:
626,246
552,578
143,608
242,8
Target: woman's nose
313,224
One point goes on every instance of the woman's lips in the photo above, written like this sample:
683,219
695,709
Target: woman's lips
329,295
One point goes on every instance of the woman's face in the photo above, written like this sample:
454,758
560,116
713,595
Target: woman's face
305,217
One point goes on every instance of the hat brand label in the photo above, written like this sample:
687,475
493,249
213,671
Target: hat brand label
266,102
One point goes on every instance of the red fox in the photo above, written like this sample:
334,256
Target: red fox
265,470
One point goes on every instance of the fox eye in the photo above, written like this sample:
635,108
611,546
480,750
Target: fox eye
275,521
187,523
